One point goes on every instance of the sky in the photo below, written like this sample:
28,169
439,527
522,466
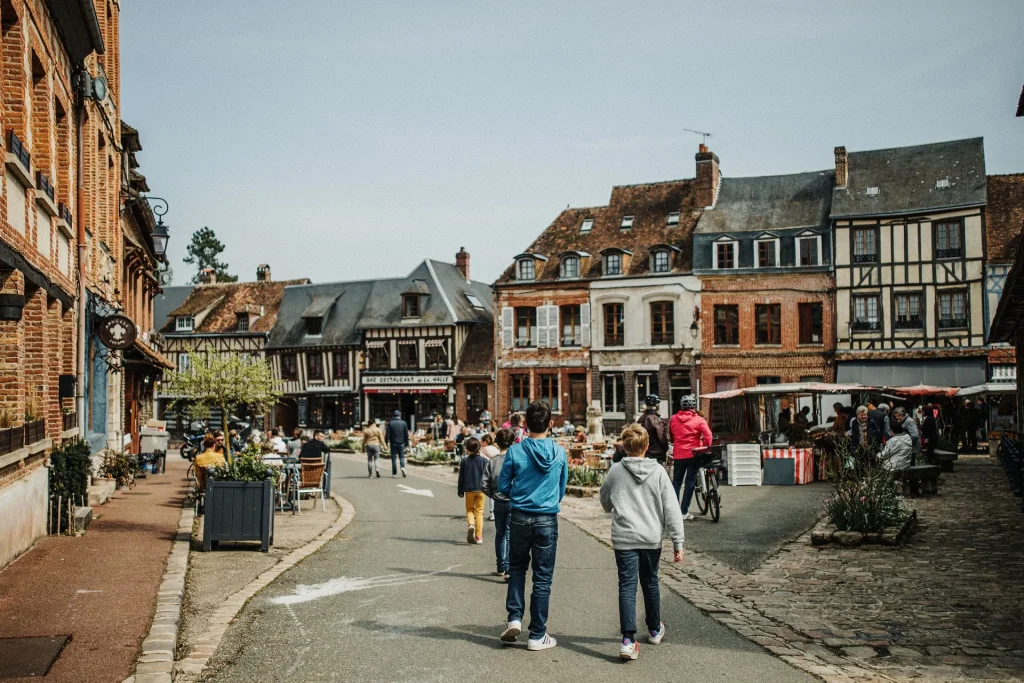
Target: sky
351,140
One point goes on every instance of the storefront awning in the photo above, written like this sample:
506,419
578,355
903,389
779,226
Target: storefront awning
141,353
434,343
941,372
376,343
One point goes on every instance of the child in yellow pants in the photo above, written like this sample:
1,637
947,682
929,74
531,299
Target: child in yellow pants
471,486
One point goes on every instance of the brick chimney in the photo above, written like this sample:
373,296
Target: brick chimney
263,273
708,177
208,276
462,262
842,167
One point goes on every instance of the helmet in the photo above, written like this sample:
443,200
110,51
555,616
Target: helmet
652,401
688,402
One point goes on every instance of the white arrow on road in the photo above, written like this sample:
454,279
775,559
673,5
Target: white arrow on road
416,492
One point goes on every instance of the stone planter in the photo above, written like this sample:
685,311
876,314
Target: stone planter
239,511
428,463
825,533
582,491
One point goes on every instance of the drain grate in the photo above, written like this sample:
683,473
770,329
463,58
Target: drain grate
21,657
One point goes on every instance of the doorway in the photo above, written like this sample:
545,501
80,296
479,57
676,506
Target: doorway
476,402
578,399
679,386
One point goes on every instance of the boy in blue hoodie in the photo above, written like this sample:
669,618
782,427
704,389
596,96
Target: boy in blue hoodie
533,478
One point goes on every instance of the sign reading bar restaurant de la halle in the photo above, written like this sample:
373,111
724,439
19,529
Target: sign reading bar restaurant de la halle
406,384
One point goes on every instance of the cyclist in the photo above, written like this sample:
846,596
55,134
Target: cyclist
687,430
657,431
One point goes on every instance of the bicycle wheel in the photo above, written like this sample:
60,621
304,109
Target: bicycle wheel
699,495
714,500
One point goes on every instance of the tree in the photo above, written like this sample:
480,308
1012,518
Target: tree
203,251
224,381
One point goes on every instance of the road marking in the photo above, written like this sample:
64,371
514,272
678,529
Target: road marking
416,492
344,584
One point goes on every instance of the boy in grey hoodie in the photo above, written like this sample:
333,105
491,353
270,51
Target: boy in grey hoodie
639,493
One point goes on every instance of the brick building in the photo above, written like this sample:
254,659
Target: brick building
1004,216
763,253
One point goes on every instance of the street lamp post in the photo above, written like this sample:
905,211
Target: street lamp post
160,234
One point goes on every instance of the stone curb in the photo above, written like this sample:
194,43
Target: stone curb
825,533
205,646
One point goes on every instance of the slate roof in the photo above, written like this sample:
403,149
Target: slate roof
225,299
648,203
170,299
477,356
766,203
347,300
1004,216
906,177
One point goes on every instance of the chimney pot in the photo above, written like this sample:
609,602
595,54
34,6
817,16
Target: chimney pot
842,167
462,262
708,177
208,276
263,273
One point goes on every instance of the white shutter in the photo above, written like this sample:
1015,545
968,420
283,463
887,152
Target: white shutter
507,333
585,324
554,334
540,332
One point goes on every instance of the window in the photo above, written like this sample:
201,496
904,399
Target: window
767,253
184,323
660,261
408,355
727,324
437,354
410,305
183,362
769,323
662,322
726,383
314,326
380,356
614,394
865,313
340,363
725,255
572,328
549,390
570,267
952,309
526,327
942,183
646,385
613,264
314,366
526,269
588,225
948,239
810,323
769,379
614,333
871,192
865,245
242,322
673,218
475,302
627,223
289,367
520,391
808,251
908,312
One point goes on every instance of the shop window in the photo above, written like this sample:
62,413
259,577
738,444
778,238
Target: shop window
340,365
526,327
810,323
549,390
662,323
314,366
408,355
520,390
614,332
289,367
614,394
768,318
727,324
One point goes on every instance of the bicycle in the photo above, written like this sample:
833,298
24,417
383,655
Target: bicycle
709,460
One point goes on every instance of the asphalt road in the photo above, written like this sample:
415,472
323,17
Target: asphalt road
400,596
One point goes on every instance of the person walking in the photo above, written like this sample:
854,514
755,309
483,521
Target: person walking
657,431
471,486
643,504
533,478
687,430
488,450
373,439
500,511
929,434
397,437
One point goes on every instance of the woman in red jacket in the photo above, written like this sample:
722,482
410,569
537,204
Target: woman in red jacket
687,430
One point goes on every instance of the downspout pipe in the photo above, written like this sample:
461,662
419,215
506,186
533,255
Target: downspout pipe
80,226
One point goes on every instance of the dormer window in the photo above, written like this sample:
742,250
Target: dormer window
723,254
942,183
184,323
673,218
808,250
627,223
871,192
588,225
242,322
660,261
613,264
570,267
410,305
314,326
526,270
766,251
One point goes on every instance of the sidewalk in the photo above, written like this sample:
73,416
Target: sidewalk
100,588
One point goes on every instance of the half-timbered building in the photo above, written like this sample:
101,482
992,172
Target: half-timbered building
910,264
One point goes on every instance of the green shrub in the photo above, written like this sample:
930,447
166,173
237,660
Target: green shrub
121,467
245,466
865,495
70,468
426,453
581,475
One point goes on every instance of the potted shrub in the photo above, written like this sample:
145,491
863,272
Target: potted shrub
239,501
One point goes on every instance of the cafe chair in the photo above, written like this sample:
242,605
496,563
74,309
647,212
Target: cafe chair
312,477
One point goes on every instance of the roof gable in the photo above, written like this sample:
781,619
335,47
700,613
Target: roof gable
215,307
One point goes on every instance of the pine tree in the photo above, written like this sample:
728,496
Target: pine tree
203,252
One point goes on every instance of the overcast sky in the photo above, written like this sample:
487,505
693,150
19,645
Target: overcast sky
342,140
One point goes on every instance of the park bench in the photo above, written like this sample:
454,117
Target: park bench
926,475
945,459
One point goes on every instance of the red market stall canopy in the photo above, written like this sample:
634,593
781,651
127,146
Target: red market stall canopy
922,390
793,388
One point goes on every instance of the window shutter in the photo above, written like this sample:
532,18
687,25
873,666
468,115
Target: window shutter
540,332
585,324
554,334
507,338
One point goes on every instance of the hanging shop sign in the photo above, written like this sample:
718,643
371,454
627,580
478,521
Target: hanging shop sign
117,332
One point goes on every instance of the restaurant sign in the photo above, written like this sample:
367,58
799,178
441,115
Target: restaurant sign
405,380
117,332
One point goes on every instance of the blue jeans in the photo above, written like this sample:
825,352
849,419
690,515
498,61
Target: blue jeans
397,452
688,467
502,520
644,563
536,537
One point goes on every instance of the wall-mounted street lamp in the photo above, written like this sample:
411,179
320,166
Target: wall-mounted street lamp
160,234
694,326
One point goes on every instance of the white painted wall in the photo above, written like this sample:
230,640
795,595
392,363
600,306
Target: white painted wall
22,514
637,294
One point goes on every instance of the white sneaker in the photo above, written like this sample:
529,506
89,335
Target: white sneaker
629,650
545,643
655,636
512,631
403,473
687,517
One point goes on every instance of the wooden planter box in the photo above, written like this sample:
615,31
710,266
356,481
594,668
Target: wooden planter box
35,431
239,511
11,439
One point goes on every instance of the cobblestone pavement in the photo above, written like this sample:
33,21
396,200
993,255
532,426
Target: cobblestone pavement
947,606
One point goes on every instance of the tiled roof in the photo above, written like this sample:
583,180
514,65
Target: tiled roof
225,299
765,203
905,178
477,357
1004,216
650,205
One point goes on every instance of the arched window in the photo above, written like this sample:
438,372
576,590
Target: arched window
570,267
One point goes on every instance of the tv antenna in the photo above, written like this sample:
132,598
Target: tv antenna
704,135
